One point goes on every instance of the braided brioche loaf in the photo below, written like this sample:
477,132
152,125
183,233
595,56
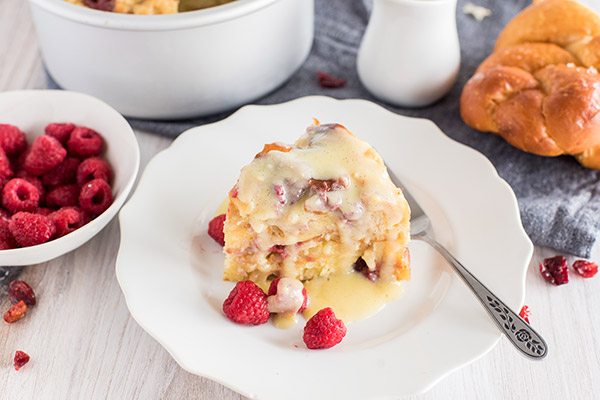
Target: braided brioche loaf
540,88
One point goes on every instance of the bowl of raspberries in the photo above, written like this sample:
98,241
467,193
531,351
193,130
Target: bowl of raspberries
67,164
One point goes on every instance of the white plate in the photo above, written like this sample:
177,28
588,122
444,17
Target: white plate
171,271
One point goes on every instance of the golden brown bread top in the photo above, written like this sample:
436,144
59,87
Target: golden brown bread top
540,89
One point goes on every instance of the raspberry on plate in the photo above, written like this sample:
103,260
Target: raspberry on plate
247,304
20,195
273,289
215,229
12,139
44,154
587,269
555,270
95,196
324,330
84,142
31,229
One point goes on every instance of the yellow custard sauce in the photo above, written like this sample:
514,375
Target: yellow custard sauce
351,296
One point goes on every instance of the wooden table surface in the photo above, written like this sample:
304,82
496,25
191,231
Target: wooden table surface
84,344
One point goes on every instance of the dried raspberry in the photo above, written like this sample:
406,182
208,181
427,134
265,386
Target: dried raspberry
12,140
60,131
21,358
34,180
93,168
247,304
587,269
7,241
95,197
555,270
16,312
273,292
63,174
361,266
20,195
30,229
63,196
323,330
329,81
21,291
102,5
45,153
67,219
84,142
524,313
215,229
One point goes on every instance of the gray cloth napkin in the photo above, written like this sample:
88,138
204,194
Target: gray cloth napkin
558,199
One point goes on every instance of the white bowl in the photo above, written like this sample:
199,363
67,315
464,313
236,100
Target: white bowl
31,111
178,65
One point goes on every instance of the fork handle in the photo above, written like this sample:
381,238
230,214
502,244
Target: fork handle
518,332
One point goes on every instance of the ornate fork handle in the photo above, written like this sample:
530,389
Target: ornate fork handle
518,332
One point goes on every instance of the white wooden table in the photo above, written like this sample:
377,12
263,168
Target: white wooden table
84,344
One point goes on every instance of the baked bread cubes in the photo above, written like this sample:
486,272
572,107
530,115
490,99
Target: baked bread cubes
316,208
540,88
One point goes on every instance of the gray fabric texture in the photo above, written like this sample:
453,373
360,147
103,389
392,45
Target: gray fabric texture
558,199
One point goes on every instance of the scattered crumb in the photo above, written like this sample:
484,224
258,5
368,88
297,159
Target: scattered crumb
477,12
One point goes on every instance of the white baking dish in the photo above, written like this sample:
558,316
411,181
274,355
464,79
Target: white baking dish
179,65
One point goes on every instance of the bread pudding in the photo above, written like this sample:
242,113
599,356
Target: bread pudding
321,206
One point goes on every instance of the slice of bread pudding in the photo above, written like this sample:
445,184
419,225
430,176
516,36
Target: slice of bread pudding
322,205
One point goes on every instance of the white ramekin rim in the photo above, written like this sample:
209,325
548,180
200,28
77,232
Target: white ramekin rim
188,19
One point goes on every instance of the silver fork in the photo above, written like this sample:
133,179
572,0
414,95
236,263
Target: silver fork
518,332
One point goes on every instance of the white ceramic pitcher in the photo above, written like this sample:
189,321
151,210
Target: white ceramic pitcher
410,55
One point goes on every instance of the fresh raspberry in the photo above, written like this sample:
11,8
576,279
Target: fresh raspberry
19,163
63,196
215,229
21,358
524,313
273,292
93,168
45,154
95,197
60,131
21,291
5,215
555,270
63,174
247,304
587,269
45,211
12,140
20,195
323,330
6,171
16,312
31,229
34,180
84,142
67,219
7,241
